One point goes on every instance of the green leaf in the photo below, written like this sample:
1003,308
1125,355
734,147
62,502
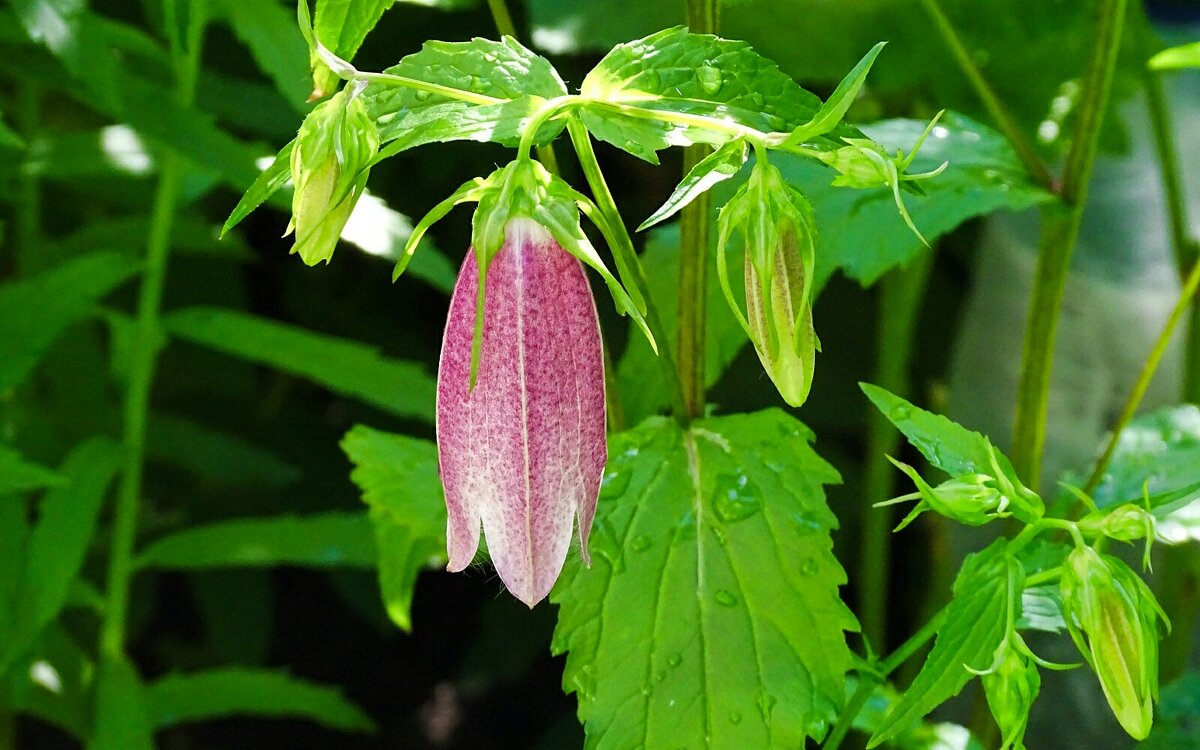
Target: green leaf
507,84
122,722
834,109
327,540
217,456
710,616
235,691
398,476
1042,609
18,475
721,164
190,235
921,736
1183,56
860,231
36,310
342,25
264,186
946,444
696,74
74,36
643,392
61,538
974,628
9,138
268,30
54,682
347,367
1160,452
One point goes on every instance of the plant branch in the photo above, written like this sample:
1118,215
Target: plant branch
1146,375
991,101
626,256
695,228
899,301
146,344
1060,228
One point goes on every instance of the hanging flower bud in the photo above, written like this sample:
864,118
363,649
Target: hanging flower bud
1106,602
1011,689
524,450
777,226
973,499
330,164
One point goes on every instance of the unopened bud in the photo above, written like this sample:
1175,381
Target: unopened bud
1011,689
972,499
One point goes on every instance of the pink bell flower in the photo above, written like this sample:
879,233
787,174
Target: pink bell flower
523,452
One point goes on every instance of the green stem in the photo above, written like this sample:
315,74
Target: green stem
868,683
1060,229
626,257
28,224
147,337
1146,375
695,228
502,18
899,302
983,89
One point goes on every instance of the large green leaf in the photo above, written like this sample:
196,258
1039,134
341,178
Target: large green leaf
122,722
19,475
235,691
710,616
508,82
268,29
217,456
1157,452
347,367
35,311
398,476
988,585
642,389
862,234
327,540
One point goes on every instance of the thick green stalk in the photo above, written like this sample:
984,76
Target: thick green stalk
983,89
144,356
622,246
695,223
899,301
1060,228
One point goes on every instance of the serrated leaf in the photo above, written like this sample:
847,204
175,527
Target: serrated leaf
1159,452
946,444
721,164
121,718
1042,609
268,30
507,83
60,539
237,691
398,476
18,475
217,456
326,540
36,310
347,367
696,74
1183,56
973,629
643,392
693,626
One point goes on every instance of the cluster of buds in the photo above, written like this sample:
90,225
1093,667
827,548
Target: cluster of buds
1113,618
776,224
331,160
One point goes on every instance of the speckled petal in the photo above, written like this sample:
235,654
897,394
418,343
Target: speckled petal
523,453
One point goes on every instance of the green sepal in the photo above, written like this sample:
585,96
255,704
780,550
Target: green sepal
830,115
721,164
468,192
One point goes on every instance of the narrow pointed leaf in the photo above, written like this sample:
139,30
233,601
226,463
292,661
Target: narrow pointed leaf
122,722
265,185
19,475
717,166
834,109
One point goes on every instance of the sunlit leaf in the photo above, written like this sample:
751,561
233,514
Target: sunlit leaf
1183,56
1157,453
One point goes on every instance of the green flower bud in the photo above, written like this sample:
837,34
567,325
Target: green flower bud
777,225
861,164
973,499
1106,602
1125,523
330,164
1011,689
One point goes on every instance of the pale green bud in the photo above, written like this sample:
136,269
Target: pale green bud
1011,689
972,499
861,164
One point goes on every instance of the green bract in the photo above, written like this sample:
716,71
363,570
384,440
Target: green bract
776,223
1011,689
1109,605
973,499
329,166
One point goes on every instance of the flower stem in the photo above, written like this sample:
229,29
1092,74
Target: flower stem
899,303
695,223
991,101
626,256
147,337
1060,228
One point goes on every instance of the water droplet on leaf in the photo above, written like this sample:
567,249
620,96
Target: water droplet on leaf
809,567
640,543
614,483
422,95
736,498
726,598
735,718
674,660
710,79
899,413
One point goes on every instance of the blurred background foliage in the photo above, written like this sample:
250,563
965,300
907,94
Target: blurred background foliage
266,364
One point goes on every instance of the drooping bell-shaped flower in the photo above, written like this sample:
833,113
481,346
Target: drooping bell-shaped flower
523,451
